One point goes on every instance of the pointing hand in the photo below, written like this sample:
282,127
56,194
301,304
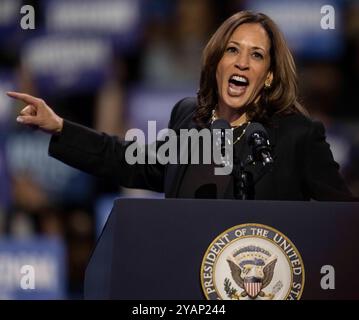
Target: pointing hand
37,113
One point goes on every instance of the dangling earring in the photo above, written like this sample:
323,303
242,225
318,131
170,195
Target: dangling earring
267,84
214,115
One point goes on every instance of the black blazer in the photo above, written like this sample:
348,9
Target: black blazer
304,167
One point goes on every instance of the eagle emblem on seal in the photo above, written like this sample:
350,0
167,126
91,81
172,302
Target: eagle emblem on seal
252,269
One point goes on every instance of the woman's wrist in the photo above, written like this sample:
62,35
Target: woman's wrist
60,125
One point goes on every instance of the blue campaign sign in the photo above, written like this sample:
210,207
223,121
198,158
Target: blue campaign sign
9,11
303,24
11,32
67,63
32,268
120,21
26,153
4,182
153,104
7,83
9,18
112,17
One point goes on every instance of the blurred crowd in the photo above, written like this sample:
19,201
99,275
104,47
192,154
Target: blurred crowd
113,64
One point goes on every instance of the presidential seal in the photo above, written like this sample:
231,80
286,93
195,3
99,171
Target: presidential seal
252,262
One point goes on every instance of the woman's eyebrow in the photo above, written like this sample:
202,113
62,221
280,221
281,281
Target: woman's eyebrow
254,47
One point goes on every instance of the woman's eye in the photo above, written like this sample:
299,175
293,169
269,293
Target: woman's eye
232,49
257,55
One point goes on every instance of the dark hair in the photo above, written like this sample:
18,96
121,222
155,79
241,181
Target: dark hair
281,97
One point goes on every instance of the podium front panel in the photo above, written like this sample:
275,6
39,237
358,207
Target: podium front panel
153,249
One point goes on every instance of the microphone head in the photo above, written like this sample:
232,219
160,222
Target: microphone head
257,139
255,127
220,124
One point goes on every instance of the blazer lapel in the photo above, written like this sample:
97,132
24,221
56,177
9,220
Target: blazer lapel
272,135
257,170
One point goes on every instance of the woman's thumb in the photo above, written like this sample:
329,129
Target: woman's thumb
27,120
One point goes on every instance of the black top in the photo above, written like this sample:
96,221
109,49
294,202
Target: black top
200,182
304,166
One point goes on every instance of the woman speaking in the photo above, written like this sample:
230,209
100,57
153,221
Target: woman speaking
248,75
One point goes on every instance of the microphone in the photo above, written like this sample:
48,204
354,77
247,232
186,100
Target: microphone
241,178
257,139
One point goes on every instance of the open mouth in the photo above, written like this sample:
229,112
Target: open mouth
237,85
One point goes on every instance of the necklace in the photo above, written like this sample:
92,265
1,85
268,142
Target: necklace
243,132
214,117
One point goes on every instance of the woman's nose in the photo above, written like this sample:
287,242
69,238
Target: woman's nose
242,62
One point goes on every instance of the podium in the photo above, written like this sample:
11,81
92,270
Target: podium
154,249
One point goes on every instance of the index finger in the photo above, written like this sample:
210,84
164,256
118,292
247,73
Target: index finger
23,97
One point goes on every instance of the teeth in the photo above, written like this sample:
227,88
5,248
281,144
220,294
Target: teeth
239,78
